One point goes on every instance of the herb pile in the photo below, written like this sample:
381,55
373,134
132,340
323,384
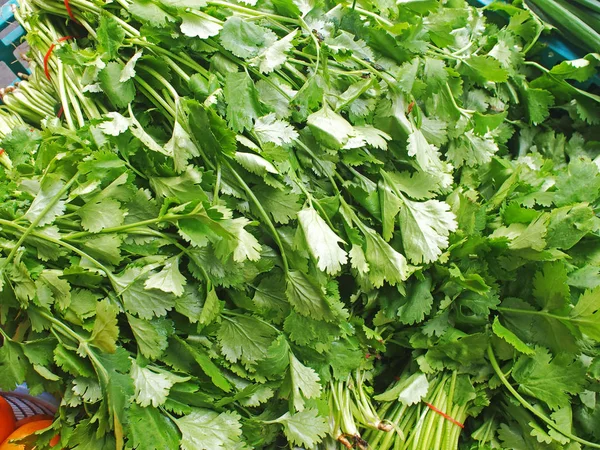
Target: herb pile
291,223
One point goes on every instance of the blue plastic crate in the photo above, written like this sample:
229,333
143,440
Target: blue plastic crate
556,50
11,48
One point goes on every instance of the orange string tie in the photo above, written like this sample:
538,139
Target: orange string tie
444,415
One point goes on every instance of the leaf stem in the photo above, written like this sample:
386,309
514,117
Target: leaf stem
529,406
263,213
35,223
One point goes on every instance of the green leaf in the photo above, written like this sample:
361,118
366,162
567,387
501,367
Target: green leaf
193,25
580,183
105,247
322,242
306,428
244,38
329,128
169,279
97,215
537,103
569,224
281,205
409,391
277,360
208,367
243,104
302,383
418,303
504,333
13,365
46,198
586,313
152,386
211,308
273,56
245,339
146,303
211,131
255,163
71,363
110,36
181,147
425,227
549,379
52,289
184,187
204,429
150,12
150,429
485,68
278,132
119,93
307,297
106,331
550,287
384,262
150,335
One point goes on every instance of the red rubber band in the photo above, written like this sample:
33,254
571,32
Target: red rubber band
444,415
2,151
46,58
69,11
60,112
49,53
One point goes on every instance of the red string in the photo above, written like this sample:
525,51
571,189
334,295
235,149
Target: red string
69,11
46,58
49,53
444,415
60,112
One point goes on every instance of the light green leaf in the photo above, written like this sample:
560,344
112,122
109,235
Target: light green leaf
306,428
504,333
243,104
169,279
204,429
322,242
279,132
307,297
329,128
304,383
151,335
255,163
425,229
244,338
586,313
98,215
199,25
106,331
152,387
274,55
49,189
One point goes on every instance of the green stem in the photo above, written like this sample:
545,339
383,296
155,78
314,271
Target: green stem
529,406
35,223
263,213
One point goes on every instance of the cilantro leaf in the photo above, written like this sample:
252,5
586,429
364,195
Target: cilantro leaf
204,429
306,428
549,379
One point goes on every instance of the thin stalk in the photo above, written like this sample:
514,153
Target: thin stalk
263,213
36,222
529,406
